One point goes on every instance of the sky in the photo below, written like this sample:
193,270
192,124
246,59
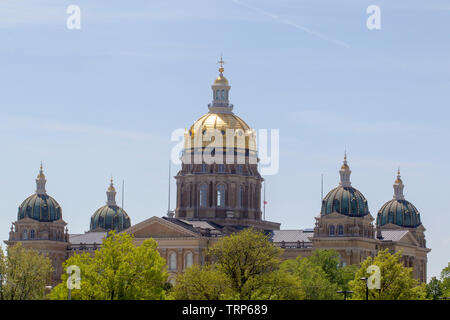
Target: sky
104,100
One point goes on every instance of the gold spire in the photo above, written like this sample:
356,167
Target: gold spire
221,62
345,165
399,180
221,80
41,172
111,186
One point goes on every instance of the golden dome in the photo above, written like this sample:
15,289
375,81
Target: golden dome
220,122
221,80
345,166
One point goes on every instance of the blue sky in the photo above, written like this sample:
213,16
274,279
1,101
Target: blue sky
104,100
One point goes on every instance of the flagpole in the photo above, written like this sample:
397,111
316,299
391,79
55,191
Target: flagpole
123,192
264,212
168,199
321,188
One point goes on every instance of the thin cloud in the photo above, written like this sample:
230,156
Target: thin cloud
293,24
14,122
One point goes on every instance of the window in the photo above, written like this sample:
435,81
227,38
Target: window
221,195
25,235
203,168
221,168
32,234
172,261
240,196
203,195
331,230
239,169
217,94
223,95
188,259
340,230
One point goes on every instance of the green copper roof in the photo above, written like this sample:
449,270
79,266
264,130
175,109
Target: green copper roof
110,218
345,200
40,207
399,212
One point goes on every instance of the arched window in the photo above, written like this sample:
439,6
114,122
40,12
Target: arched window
203,195
221,195
217,94
223,95
32,234
25,235
340,230
188,259
331,230
240,196
172,261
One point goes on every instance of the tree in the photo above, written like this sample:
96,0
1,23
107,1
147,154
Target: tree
313,279
24,273
119,270
201,283
243,257
329,261
397,282
445,281
434,289
243,266
275,285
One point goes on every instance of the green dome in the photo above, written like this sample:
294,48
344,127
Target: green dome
110,218
400,212
345,200
40,207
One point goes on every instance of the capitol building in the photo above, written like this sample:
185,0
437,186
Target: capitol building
217,199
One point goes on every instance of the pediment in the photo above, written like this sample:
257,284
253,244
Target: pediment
408,238
156,227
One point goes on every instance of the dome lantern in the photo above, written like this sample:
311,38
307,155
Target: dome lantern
345,173
398,187
40,182
221,90
111,194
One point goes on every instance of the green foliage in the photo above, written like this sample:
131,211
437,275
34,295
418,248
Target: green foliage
321,275
244,256
329,261
275,285
434,289
201,283
244,266
118,271
314,280
24,273
397,282
445,281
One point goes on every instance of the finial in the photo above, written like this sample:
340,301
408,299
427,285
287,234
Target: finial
398,187
111,194
41,168
221,62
